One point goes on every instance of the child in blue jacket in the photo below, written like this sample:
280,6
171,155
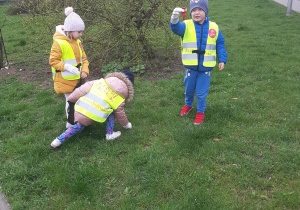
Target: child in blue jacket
202,44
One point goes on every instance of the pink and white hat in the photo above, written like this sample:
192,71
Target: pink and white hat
73,22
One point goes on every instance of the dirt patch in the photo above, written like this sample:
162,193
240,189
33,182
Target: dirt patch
27,75
157,72
164,71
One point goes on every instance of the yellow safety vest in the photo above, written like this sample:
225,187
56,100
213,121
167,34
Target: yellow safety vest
69,58
189,43
99,103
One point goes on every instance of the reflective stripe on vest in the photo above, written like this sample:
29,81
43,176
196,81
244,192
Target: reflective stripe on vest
69,58
99,103
189,43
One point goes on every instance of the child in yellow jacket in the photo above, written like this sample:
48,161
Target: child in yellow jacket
67,57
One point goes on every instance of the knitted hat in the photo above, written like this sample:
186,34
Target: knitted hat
129,75
73,22
202,4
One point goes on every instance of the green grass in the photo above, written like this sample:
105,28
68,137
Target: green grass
165,162
23,47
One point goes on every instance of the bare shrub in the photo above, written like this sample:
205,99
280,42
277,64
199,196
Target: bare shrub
131,32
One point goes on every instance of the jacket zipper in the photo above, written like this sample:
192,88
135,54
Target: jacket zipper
200,47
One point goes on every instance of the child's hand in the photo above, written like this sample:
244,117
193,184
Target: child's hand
176,12
72,69
175,15
83,75
221,66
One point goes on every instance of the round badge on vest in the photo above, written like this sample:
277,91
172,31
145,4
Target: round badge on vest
212,33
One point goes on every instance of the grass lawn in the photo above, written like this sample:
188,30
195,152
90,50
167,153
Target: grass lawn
246,155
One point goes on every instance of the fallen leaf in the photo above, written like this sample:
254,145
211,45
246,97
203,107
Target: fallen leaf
234,98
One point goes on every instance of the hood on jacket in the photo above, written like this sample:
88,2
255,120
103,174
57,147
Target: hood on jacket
128,83
59,33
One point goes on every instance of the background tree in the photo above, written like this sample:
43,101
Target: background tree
126,33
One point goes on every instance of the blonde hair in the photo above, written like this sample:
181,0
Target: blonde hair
69,34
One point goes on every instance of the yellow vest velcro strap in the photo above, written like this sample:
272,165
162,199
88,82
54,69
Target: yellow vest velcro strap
90,111
98,100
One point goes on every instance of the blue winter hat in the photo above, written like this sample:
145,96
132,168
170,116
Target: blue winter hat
129,75
202,4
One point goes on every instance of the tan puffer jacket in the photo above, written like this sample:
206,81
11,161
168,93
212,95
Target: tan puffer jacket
60,84
116,81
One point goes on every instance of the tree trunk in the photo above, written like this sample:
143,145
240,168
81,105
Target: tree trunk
1,54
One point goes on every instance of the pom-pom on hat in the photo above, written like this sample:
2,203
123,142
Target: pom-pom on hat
202,4
73,22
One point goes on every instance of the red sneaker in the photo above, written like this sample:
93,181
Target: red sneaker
199,118
185,110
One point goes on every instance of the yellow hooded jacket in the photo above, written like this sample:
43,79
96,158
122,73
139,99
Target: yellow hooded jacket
62,85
